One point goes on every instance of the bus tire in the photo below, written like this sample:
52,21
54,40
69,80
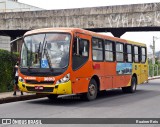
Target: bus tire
92,91
52,97
132,88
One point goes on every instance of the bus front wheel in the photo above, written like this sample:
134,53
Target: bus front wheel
92,91
132,88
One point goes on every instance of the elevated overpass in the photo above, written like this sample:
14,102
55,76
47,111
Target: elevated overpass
114,19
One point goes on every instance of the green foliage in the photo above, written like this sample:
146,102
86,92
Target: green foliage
7,63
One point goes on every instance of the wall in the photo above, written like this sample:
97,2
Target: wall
5,43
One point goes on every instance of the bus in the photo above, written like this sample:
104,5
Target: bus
62,61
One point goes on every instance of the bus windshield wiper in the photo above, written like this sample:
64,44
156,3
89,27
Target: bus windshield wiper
39,54
29,60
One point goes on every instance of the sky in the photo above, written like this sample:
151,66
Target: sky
144,37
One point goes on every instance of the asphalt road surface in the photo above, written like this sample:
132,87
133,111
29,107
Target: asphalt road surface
145,103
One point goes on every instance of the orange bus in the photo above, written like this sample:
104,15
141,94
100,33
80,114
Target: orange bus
59,61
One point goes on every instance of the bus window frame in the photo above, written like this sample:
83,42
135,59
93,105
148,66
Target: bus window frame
120,52
144,55
99,50
126,53
139,54
80,39
113,50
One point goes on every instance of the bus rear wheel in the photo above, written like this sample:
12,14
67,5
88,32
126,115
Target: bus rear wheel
132,88
92,91
52,97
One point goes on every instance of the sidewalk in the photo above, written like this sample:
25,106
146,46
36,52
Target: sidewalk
155,77
7,97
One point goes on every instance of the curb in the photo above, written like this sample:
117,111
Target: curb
154,78
20,98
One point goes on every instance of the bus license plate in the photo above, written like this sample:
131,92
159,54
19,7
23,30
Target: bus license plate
38,87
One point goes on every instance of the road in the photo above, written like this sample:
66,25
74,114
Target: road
145,103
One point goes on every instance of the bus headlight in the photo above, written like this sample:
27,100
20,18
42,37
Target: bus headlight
20,79
64,79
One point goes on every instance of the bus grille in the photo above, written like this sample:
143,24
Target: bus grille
42,82
45,89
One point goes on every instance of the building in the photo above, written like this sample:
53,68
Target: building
13,6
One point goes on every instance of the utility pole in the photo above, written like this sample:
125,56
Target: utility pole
153,49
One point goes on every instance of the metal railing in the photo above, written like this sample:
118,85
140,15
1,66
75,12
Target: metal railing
153,70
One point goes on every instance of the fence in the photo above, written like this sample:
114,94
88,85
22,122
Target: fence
154,70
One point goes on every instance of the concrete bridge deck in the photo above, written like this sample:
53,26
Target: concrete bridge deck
115,19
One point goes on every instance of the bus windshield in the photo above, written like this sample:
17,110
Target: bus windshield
47,50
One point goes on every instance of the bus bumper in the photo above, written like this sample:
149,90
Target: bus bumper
62,88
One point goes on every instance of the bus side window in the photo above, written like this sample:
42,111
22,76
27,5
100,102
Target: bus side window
83,48
109,50
120,52
136,54
80,53
128,53
143,54
97,49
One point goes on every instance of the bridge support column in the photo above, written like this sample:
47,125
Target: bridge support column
16,44
118,33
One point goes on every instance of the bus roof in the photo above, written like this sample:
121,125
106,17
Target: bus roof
136,43
43,30
79,30
59,29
